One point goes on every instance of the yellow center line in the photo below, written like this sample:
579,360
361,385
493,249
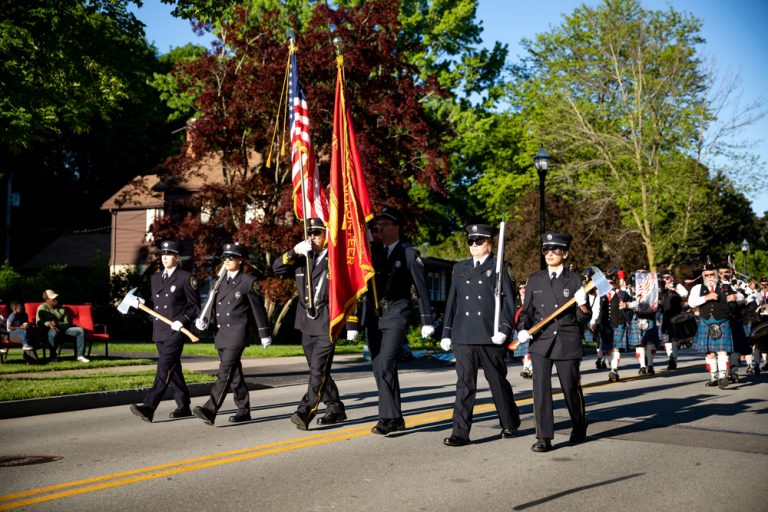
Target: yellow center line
94,484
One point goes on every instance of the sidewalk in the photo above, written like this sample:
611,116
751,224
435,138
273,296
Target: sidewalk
260,373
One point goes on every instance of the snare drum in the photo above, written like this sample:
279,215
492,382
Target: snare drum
683,326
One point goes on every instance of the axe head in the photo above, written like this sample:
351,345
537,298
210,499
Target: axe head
127,302
601,283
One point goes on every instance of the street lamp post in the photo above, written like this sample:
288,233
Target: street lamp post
744,251
541,162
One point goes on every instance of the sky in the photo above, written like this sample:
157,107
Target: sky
735,33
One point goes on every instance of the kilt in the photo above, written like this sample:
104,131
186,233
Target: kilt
703,343
620,336
521,350
641,338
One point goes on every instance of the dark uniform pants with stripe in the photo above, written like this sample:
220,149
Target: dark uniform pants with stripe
492,359
169,373
319,353
570,383
385,350
230,375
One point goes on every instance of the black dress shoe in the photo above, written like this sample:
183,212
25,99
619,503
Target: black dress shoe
672,364
207,415
380,428
508,433
613,376
456,441
578,436
240,417
542,445
651,371
642,371
386,426
396,425
599,363
332,417
143,412
181,412
300,420
723,382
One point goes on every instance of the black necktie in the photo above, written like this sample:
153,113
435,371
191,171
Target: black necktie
477,263
165,276
554,276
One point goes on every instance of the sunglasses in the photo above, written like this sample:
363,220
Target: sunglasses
231,257
476,241
316,232
557,251
666,278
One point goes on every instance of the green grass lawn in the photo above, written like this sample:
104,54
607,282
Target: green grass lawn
17,364
207,349
58,385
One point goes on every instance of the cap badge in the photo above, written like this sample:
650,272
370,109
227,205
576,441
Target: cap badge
549,237
474,229
566,293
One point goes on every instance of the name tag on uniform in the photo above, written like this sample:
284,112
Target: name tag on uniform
537,291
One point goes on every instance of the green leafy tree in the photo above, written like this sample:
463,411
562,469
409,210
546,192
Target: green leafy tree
618,93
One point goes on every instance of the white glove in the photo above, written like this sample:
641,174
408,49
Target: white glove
445,344
176,325
427,331
498,338
201,324
351,335
265,342
302,248
581,296
523,336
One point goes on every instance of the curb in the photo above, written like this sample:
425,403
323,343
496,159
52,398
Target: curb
82,401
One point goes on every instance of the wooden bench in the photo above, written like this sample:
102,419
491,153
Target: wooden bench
81,316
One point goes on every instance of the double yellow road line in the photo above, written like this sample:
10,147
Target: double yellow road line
88,485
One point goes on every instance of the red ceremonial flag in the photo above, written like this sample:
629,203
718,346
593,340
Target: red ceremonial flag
349,256
302,154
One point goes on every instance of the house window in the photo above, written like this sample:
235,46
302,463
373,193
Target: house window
152,215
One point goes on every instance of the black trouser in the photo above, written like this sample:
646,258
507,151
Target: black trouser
169,373
492,360
384,345
570,383
230,376
319,353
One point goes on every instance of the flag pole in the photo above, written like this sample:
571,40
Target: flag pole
311,309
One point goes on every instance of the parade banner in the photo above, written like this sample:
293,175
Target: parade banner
302,154
350,265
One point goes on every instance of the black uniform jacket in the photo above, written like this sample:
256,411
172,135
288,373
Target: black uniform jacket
175,299
470,306
394,276
561,338
293,265
238,304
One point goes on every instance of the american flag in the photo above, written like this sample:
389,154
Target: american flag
647,291
302,154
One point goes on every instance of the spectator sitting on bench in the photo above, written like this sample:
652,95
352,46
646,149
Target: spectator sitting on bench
17,323
53,316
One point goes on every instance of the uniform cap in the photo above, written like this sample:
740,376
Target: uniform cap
169,247
234,250
554,240
391,214
316,223
479,230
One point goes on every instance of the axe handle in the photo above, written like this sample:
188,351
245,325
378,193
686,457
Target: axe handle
157,315
552,316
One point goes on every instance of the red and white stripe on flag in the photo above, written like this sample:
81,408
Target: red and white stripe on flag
302,154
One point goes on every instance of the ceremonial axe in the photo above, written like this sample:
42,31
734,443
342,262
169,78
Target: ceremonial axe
598,281
128,301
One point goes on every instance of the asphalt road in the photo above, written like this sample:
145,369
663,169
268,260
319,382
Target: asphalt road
661,442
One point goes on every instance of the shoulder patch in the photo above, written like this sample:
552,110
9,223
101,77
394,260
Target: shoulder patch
418,260
193,282
510,273
255,287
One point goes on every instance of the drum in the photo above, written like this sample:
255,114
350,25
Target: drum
759,336
683,326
